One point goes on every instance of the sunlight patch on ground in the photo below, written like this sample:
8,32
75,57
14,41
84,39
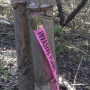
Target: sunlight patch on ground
8,55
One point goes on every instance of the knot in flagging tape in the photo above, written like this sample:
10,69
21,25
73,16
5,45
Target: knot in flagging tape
36,22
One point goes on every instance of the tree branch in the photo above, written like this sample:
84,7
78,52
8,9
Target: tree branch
64,22
74,13
60,15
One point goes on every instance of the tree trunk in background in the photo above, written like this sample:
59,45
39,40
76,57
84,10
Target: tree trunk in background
33,69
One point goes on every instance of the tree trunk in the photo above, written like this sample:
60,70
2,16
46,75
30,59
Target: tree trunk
34,71
23,45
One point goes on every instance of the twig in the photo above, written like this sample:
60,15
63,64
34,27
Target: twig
72,47
80,84
6,34
77,72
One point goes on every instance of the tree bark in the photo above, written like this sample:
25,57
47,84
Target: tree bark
24,54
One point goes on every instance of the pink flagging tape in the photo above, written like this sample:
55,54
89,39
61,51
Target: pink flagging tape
43,41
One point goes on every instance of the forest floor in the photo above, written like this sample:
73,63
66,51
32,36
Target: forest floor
73,57
72,51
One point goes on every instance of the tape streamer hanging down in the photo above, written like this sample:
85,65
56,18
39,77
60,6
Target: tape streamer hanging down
43,41
37,25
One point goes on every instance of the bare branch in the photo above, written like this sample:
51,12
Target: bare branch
61,15
73,14
64,22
